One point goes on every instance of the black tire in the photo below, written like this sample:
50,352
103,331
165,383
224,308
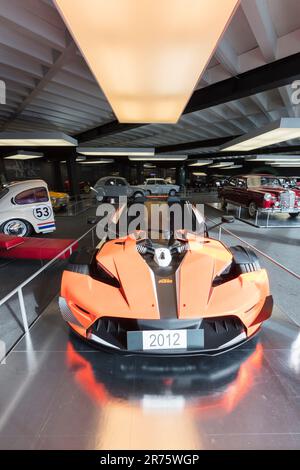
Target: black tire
246,261
172,193
293,215
252,209
137,195
28,229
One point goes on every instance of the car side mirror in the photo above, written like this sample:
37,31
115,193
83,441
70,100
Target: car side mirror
228,219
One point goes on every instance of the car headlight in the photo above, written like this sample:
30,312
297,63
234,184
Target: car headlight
268,197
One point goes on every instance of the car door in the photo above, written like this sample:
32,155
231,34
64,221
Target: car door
241,195
152,186
229,191
163,188
122,187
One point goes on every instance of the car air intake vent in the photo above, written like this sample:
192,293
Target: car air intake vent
217,331
287,199
222,325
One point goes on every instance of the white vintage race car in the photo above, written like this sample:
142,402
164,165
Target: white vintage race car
25,207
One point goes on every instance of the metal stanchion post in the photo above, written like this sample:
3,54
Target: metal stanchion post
23,310
220,234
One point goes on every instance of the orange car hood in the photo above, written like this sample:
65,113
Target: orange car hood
188,293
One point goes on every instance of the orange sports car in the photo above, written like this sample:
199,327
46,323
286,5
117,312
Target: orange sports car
163,286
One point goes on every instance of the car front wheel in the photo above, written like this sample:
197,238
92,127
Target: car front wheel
137,195
293,215
17,227
252,210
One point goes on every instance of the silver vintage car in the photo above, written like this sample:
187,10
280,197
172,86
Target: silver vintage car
158,186
113,187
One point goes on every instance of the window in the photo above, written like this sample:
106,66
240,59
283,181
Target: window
41,195
160,182
110,182
241,183
120,182
31,196
151,182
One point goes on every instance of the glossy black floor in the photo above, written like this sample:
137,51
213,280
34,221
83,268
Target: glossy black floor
58,393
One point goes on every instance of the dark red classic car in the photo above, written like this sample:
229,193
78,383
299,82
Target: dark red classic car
261,192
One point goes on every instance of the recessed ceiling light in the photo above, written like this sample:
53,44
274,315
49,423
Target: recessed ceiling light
273,158
158,158
199,174
148,165
201,163
115,151
147,56
97,162
36,139
221,165
232,167
276,132
286,165
23,155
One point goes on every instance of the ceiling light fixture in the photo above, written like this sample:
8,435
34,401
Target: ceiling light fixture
199,174
274,159
97,162
147,56
36,139
221,165
201,163
279,131
285,165
115,151
23,155
162,158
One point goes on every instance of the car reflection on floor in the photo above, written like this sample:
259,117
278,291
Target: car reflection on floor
151,394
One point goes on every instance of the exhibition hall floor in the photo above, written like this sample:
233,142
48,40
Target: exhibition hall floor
58,393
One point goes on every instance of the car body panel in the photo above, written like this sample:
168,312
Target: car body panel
158,186
38,214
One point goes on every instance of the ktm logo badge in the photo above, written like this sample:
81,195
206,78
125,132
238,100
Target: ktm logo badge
165,281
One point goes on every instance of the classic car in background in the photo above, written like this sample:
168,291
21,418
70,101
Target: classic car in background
25,207
159,186
59,201
261,192
84,186
111,187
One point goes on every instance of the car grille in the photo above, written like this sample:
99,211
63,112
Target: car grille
287,200
217,331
